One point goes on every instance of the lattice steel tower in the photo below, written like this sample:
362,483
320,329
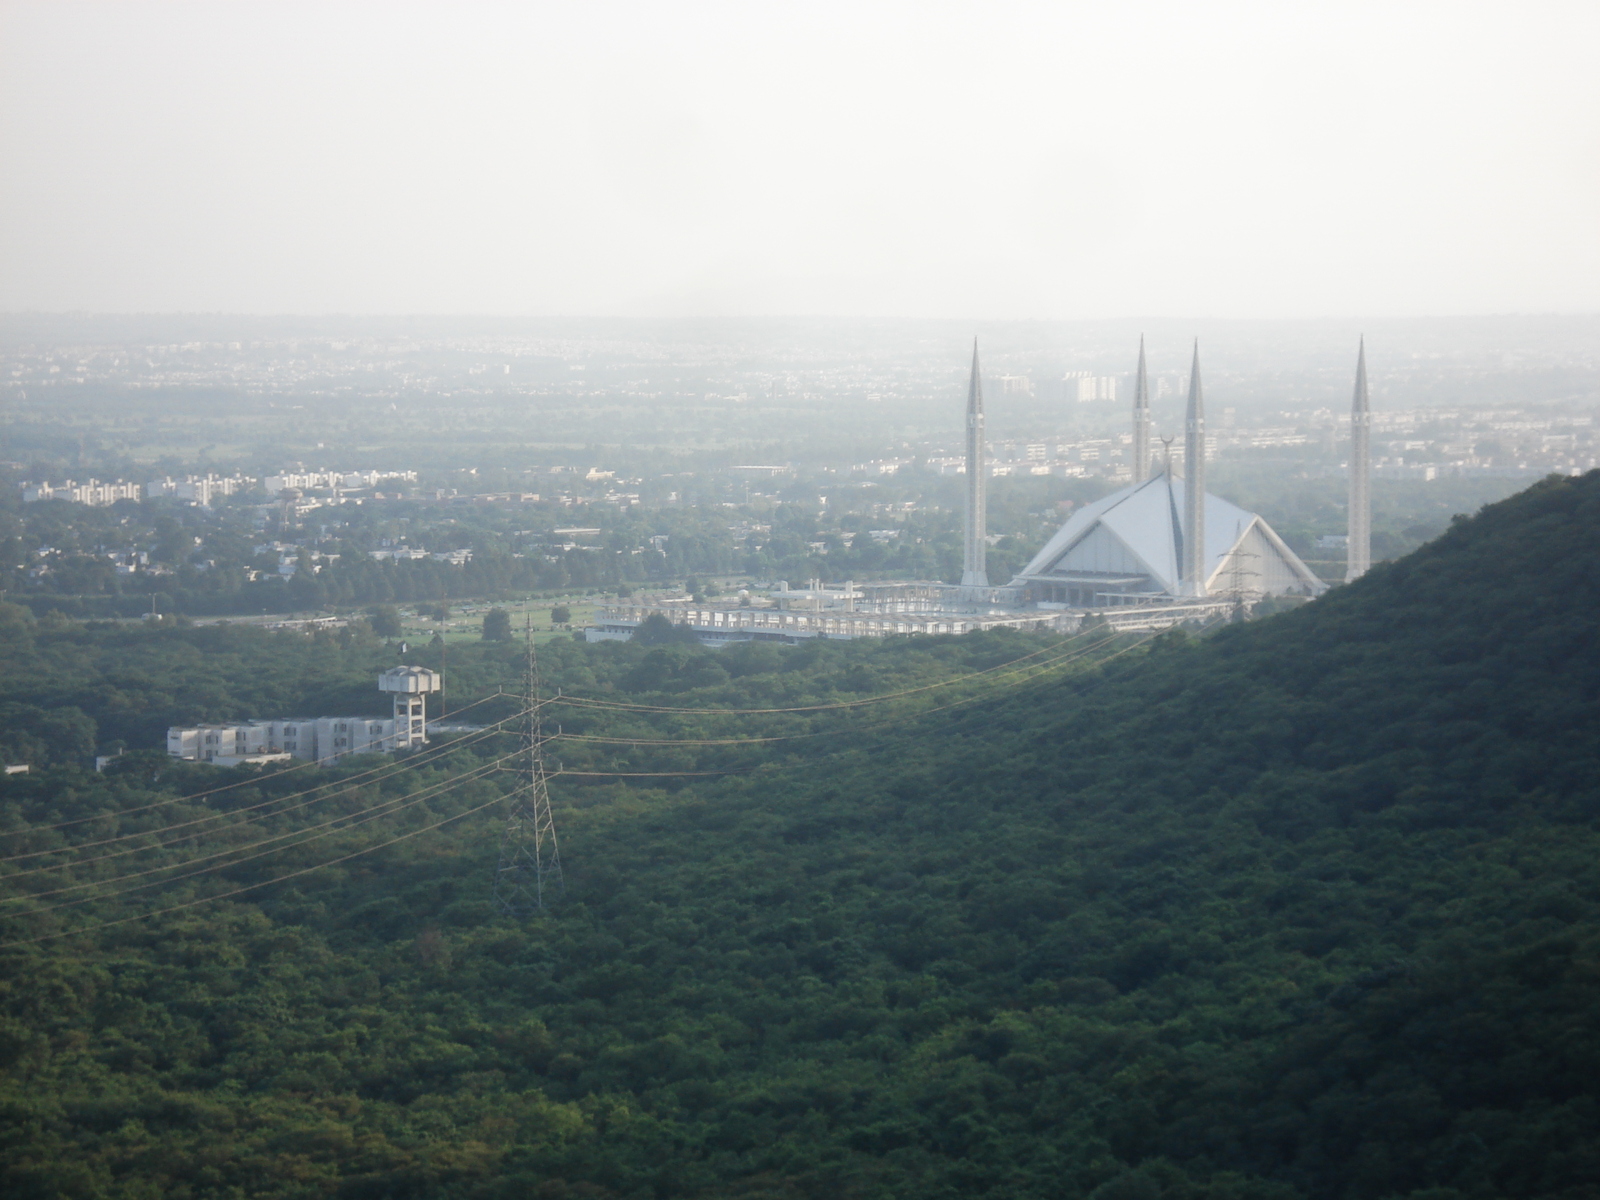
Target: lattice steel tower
529,871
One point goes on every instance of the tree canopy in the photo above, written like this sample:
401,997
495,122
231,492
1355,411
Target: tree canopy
1307,907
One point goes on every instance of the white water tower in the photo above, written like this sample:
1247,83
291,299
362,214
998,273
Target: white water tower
411,687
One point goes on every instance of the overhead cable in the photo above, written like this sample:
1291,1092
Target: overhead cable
226,787
384,809
332,862
384,771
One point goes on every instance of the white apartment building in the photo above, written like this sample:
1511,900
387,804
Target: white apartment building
1088,387
333,479
93,493
202,489
318,739
321,739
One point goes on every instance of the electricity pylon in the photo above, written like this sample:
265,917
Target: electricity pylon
530,860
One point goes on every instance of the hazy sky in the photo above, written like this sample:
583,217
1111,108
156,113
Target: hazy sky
988,160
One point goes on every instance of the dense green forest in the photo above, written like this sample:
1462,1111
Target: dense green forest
1305,907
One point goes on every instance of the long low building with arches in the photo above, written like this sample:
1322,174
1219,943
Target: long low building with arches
1162,551
720,626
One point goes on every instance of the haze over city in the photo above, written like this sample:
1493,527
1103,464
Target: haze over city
953,160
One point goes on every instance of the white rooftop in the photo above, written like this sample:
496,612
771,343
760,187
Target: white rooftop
1139,530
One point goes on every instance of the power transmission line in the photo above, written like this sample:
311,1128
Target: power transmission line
1010,668
343,787
529,848
1036,671
226,787
382,809
530,858
332,862
927,687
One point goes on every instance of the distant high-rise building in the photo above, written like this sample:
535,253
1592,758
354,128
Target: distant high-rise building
1087,387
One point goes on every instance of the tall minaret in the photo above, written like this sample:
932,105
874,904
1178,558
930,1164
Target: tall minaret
973,572
1360,548
1141,421
1194,485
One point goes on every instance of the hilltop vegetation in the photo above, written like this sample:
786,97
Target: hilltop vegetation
1307,908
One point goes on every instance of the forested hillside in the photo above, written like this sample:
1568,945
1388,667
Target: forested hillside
1309,907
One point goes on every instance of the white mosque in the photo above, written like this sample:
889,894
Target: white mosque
1163,540
1158,553
1128,548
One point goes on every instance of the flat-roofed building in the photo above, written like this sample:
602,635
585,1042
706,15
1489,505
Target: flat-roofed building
318,739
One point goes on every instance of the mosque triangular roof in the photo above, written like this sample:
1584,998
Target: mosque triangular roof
1147,519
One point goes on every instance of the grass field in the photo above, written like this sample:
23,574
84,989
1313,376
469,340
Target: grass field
465,623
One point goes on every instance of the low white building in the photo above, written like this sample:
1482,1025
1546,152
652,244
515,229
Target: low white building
201,489
318,739
93,493
322,739
305,480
